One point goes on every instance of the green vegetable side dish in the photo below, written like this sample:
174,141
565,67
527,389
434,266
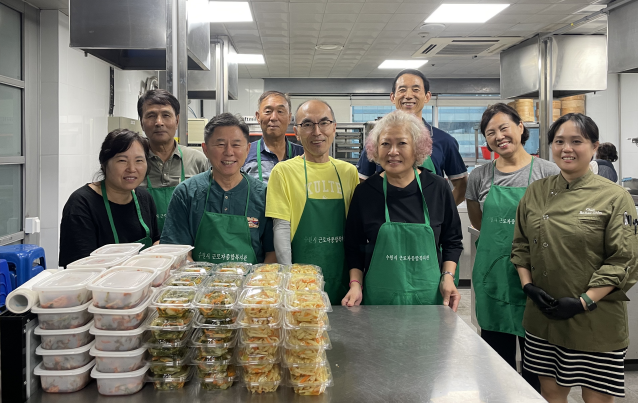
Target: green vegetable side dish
164,370
168,385
218,384
213,333
168,351
185,281
205,339
168,335
226,280
163,321
224,353
177,302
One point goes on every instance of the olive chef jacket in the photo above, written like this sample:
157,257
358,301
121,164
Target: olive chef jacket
573,237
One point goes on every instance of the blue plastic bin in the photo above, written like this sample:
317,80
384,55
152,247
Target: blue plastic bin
24,261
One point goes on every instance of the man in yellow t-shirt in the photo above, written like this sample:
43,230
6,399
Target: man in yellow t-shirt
308,198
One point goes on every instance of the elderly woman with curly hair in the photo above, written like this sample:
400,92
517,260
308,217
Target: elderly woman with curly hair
403,234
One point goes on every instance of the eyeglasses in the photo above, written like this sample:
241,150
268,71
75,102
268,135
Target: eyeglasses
309,126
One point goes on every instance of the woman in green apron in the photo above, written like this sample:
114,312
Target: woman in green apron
114,209
493,193
403,234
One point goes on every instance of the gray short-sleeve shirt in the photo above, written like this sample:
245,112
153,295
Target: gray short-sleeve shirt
480,180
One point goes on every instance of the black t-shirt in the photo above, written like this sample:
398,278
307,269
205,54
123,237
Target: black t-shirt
367,214
85,224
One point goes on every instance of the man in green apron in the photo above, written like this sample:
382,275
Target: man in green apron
221,212
309,197
168,163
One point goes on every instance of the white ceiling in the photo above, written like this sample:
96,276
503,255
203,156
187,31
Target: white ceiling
286,33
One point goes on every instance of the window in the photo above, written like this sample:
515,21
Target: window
367,113
459,121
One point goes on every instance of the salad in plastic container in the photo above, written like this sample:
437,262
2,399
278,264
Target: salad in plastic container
261,302
164,348
260,335
180,279
119,340
66,288
299,357
119,384
162,264
263,382
224,280
64,339
174,301
66,381
214,381
254,362
210,364
120,319
304,282
304,269
307,306
169,328
216,302
269,268
63,318
204,345
310,380
321,341
170,365
170,382
179,251
128,249
212,325
122,287
274,280
65,359
101,261
119,361
203,268
234,268
274,321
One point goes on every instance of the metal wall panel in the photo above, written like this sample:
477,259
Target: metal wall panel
623,46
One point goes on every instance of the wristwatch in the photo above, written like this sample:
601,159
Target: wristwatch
591,305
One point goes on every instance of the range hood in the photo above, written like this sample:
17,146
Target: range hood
623,31
131,34
579,66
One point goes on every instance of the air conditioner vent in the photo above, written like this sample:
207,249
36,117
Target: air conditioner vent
464,47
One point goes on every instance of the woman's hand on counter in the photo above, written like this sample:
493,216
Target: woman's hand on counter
451,296
354,296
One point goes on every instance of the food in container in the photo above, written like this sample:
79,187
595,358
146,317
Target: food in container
120,319
261,302
263,382
170,365
269,268
179,251
216,302
321,341
306,336
255,362
174,301
219,333
291,321
216,323
311,380
234,268
225,280
122,287
275,320
185,280
307,306
304,282
170,382
274,280
102,261
260,335
118,249
118,340
164,348
205,345
66,288
63,318
67,381
211,381
203,268
169,328
119,361
65,359
119,384
210,363
251,354
162,264
305,269
296,356
64,339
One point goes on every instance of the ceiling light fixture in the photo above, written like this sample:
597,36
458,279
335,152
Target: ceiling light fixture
328,47
465,13
247,59
229,11
402,64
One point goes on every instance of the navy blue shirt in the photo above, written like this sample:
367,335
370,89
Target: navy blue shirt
268,159
445,156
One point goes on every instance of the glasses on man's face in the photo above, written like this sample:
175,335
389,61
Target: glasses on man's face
310,126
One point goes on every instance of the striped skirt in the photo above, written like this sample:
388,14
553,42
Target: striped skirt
602,372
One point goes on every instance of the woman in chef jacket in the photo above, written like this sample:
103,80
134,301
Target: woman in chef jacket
403,234
493,192
113,209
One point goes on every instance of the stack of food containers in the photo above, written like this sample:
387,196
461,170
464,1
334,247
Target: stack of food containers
179,251
121,297
122,249
162,264
306,324
64,329
103,261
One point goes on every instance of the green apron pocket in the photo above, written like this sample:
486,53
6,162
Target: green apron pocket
502,283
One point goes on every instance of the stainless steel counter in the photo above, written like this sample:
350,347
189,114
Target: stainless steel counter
380,354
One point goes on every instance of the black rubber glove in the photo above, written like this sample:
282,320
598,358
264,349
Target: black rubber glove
566,308
543,300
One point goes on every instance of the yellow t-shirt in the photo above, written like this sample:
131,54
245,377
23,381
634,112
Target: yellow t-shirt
286,196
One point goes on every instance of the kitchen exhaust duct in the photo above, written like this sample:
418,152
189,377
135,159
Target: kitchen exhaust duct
623,31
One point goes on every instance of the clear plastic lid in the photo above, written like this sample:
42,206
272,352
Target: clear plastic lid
165,249
174,298
154,343
304,268
198,267
68,280
173,361
201,339
152,261
303,282
185,280
260,335
179,324
316,301
210,298
261,298
71,351
258,378
274,280
210,360
222,323
123,279
128,312
118,249
182,376
79,308
269,268
246,356
118,375
117,333
76,330
224,280
296,319
105,261
311,376
322,342
293,360
40,371
117,354
275,320
234,267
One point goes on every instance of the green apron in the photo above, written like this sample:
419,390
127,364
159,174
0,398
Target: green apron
319,240
429,165
261,178
500,300
404,269
146,241
162,195
224,237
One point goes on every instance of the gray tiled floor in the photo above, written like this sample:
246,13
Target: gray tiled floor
631,377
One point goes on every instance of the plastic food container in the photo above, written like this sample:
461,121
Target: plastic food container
64,339
169,328
304,268
261,302
170,365
174,301
269,268
163,348
101,261
306,334
63,381
310,380
66,288
204,345
63,318
234,268
128,249
57,360
179,251
119,384
263,382
162,264
122,287
307,306
304,282
323,340
260,335
275,320
170,382
274,280
120,319
211,381
296,357
203,268
291,321
119,361
185,280
225,280
216,302
118,340
254,362
209,364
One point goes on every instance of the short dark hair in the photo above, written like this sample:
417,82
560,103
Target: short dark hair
500,107
426,83
276,93
157,97
585,125
225,119
332,112
607,152
118,141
